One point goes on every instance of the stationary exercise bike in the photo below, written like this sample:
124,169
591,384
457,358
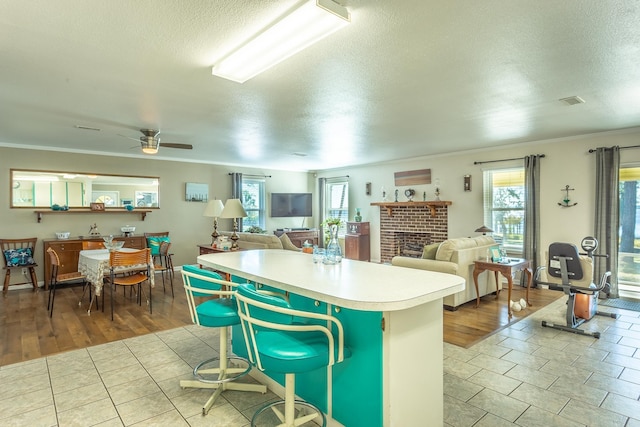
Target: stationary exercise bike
572,272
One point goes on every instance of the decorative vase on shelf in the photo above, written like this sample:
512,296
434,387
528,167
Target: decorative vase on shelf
333,252
358,216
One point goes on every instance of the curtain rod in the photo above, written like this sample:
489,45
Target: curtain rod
593,150
252,176
504,160
334,177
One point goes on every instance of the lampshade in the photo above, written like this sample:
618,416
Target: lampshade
214,208
149,145
302,27
233,209
484,229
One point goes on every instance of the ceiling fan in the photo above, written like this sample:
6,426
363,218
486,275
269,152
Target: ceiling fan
150,141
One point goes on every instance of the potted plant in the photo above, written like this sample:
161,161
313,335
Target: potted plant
326,227
255,229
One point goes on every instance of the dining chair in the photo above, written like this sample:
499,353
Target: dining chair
219,310
283,340
19,255
153,242
137,265
58,278
88,244
162,264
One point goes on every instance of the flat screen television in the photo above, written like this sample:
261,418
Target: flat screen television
291,204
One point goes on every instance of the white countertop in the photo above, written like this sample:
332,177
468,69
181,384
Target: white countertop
351,284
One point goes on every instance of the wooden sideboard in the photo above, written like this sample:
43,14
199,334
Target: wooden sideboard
68,251
298,237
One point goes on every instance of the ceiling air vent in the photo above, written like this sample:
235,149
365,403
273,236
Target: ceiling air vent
572,100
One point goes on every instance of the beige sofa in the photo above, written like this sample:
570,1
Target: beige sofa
261,241
456,256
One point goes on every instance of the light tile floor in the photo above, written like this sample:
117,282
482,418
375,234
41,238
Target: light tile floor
524,375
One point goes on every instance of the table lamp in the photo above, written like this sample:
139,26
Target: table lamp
233,209
214,210
484,230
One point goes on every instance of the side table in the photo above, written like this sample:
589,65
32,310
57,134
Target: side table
506,268
208,249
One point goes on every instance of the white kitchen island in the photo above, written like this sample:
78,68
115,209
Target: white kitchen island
392,317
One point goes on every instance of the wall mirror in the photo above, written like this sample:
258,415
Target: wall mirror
43,189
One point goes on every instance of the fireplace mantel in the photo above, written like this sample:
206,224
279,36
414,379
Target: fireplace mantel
432,205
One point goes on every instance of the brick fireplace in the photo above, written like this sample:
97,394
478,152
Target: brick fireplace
405,227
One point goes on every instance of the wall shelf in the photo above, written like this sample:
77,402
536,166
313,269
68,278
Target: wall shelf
432,205
142,212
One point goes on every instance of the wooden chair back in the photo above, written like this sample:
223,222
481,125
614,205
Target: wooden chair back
18,245
163,261
88,244
53,257
123,259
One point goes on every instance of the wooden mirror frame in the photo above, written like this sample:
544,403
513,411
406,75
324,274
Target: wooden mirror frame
31,188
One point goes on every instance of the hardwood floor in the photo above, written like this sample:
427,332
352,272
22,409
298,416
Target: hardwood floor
468,325
27,332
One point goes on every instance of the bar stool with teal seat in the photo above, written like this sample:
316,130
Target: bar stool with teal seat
220,312
286,341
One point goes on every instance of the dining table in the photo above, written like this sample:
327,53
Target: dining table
94,265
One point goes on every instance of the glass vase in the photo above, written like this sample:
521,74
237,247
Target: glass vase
333,252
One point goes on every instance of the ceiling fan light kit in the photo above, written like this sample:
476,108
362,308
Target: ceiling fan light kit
302,27
149,141
149,145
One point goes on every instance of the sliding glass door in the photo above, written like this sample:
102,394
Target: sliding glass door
629,233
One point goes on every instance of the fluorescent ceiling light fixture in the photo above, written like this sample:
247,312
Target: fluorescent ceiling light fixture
310,22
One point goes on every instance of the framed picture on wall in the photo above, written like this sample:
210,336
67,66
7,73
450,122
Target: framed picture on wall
196,192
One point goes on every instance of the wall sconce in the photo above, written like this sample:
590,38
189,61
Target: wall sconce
367,189
467,183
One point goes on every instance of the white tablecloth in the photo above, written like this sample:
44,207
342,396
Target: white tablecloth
94,264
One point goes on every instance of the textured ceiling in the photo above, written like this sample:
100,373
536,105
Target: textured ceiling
404,79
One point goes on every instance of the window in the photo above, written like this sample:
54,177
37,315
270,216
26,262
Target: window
504,206
253,201
629,234
337,201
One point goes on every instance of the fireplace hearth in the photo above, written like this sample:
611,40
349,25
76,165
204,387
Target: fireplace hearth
405,227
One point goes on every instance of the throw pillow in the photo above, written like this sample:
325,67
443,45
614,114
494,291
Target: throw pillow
287,244
429,251
19,257
154,244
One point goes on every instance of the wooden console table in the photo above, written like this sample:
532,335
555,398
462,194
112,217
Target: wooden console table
506,269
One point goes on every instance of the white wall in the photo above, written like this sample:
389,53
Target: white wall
567,161
182,219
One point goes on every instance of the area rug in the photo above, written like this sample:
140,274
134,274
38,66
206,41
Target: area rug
625,304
